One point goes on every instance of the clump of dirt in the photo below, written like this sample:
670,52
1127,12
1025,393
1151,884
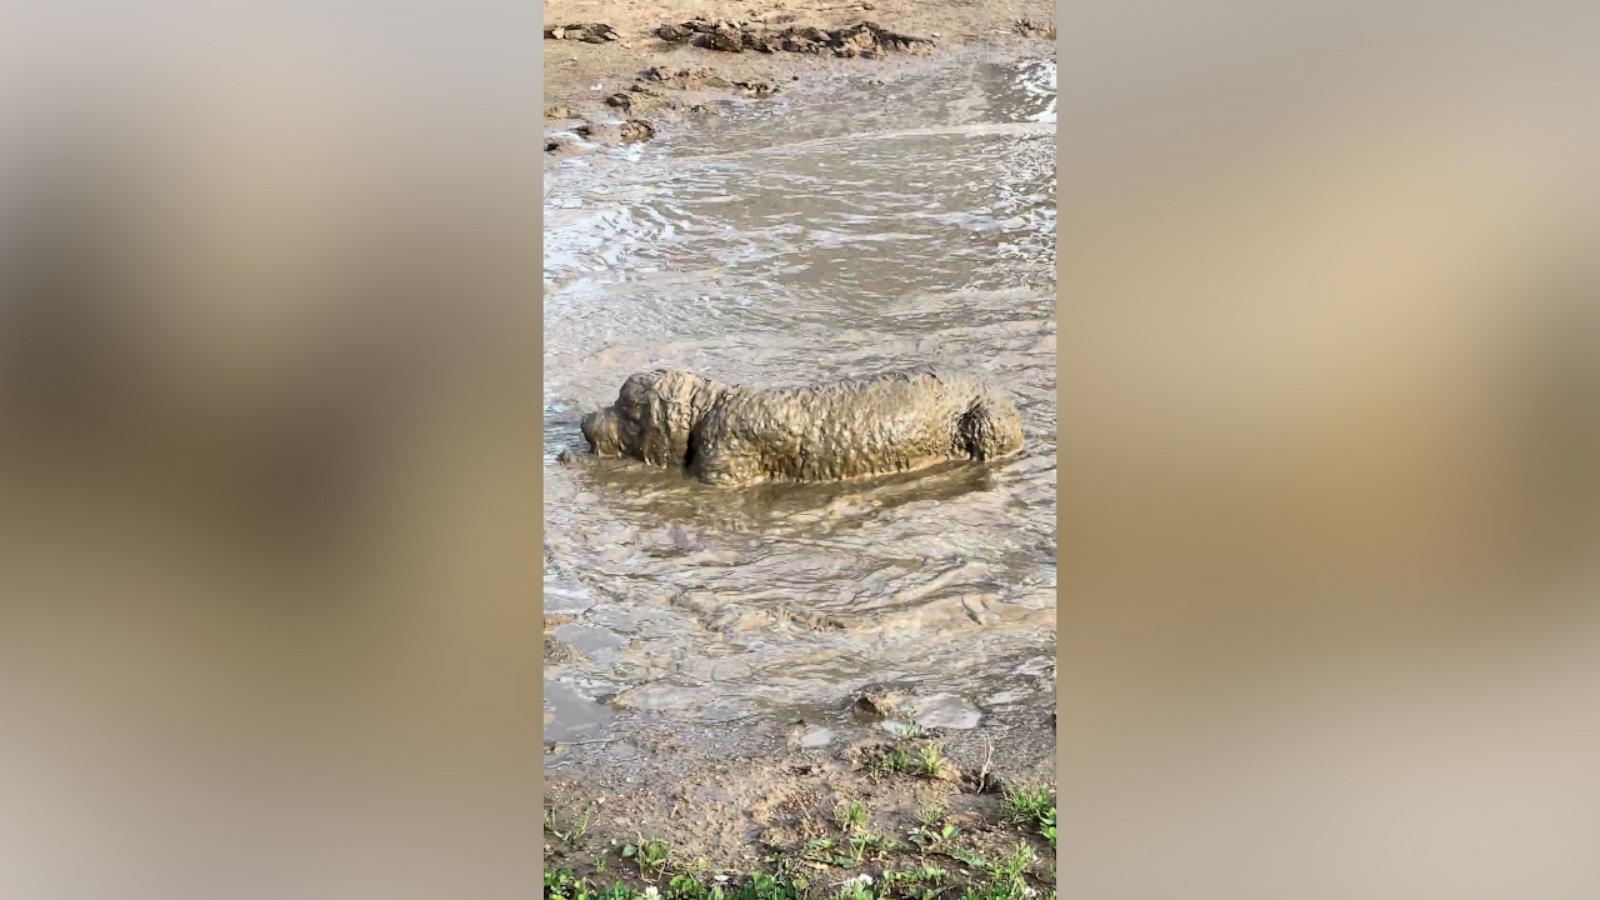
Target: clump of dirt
558,653
685,79
588,32
879,703
558,112
863,39
759,90
637,97
628,132
1032,29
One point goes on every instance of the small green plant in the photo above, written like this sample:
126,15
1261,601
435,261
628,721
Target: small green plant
929,816
908,730
1047,826
930,761
923,883
1034,806
933,837
874,842
817,848
561,884
855,889
850,817
1029,802
577,828
891,759
649,855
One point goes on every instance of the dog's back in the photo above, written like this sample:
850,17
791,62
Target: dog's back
852,428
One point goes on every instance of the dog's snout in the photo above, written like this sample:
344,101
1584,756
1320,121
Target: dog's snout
587,426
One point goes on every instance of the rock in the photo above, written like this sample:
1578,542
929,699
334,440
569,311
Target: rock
557,112
588,32
674,34
879,702
628,132
560,148
637,130
769,42
756,89
684,79
727,39
635,97
1032,29
558,653
864,39
603,134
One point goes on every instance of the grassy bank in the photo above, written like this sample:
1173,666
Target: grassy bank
850,850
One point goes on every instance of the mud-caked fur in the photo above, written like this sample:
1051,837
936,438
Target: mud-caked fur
725,434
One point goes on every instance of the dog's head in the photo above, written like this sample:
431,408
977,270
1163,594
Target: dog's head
653,417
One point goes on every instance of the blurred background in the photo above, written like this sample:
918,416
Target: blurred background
268,463
1328,395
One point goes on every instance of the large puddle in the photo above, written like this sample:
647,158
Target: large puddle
871,225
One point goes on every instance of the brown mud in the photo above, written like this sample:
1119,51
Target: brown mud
766,797
666,64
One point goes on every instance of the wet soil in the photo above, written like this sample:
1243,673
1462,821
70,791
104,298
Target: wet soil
599,54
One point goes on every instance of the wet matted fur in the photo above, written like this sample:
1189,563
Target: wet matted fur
732,434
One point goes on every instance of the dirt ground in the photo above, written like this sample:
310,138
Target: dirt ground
741,800
584,69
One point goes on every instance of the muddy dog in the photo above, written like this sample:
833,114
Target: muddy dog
732,434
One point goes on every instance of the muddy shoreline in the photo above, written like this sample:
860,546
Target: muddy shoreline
616,75
762,795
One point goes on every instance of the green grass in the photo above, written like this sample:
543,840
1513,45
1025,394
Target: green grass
930,761
1006,879
1024,803
852,863
649,855
1047,826
908,730
891,759
1034,806
575,829
850,817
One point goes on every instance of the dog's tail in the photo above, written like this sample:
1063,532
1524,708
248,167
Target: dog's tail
990,428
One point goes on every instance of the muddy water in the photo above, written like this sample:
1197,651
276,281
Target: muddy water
883,220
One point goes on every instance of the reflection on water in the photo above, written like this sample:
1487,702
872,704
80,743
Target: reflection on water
824,235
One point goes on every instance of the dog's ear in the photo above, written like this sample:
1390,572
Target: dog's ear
677,403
